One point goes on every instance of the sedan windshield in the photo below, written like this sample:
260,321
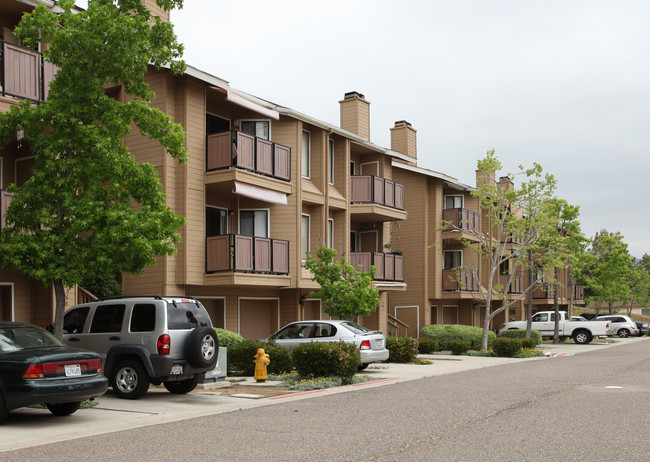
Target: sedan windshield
23,337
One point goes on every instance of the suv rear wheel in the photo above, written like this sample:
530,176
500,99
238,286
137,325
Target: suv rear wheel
180,387
202,347
130,380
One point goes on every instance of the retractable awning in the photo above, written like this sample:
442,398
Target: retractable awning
262,194
248,104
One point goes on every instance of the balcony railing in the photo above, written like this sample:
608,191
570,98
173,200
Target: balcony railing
389,266
5,199
237,149
578,292
544,291
511,239
234,252
24,73
463,219
376,190
516,286
468,280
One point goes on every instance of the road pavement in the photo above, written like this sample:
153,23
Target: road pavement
384,414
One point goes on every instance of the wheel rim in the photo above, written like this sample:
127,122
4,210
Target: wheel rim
581,338
208,347
126,380
623,333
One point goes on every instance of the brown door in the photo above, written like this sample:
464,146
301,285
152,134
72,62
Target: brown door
449,315
409,315
311,310
257,318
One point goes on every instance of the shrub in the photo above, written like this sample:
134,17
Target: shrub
328,359
444,333
459,346
528,343
227,338
241,357
402,349
521,333
428,345
508,347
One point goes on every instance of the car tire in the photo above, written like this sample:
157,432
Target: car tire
130,380
202,347
180,387
623,333
582,337
63,409
362,366
3,409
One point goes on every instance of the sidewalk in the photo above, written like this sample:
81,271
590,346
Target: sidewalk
31,427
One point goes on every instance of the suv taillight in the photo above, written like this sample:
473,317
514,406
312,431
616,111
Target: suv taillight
365,345
164,345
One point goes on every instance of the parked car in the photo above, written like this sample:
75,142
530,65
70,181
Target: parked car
579,331
146,339
621,325
36,367
644,328
372,344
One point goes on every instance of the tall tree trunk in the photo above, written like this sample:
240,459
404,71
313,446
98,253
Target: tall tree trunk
59,296
556,306
531,292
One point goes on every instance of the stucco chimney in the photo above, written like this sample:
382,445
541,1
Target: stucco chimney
355,114
403,138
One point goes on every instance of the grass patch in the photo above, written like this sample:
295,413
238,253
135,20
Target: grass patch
294,382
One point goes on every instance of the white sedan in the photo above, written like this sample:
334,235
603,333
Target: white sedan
372,344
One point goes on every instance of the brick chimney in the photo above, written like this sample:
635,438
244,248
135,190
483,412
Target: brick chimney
484,178
355,114
153,7
403,138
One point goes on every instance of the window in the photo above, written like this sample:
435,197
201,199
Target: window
74,320
143,318
351,168
330,233
295,330
353,241
214,124
254,223
452,259
306,155
305,236
108,318
331,161
453,202
324,330
216,222
259,128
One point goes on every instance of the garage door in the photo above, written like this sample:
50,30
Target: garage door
257,318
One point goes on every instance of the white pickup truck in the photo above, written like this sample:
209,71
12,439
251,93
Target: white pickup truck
579,331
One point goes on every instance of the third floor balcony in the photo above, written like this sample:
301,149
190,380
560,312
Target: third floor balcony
376,199
24,73
462,220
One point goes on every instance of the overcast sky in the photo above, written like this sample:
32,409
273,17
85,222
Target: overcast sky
560,82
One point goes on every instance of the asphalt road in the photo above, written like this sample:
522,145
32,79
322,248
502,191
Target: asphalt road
592,406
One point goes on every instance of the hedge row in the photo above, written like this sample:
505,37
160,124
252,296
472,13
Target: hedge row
445,333
535,335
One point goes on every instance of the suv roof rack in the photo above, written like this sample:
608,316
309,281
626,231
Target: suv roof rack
155,297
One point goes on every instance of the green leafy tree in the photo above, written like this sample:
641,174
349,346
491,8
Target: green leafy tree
607,267
514,214
89,207
346,291
639,285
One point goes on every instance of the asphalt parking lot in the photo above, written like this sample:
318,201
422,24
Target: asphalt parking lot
30,427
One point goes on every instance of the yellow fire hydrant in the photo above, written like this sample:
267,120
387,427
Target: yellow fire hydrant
261,361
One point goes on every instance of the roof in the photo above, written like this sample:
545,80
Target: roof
451,181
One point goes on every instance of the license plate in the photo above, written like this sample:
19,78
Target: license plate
177,369
72,370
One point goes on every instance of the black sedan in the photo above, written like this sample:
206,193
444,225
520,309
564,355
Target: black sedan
35,367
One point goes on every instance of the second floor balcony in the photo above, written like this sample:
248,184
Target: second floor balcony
24,73
252,153
515,287
389,266
462,219
578,292
460,280
238,253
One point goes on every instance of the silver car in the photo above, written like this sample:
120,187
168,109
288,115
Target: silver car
372,344
621,325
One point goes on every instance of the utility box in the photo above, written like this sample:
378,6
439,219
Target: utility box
220,369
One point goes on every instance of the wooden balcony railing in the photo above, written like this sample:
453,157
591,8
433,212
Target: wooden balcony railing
5,199
469,281
389,266
24,73
234,252
516,286
237,149
463,219
376,190
511,239
544,291
578,292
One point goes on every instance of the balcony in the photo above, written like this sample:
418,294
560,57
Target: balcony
5,199
468,280
251,153
578,292
25,74
376,199
516,286
544,291
234,252
462,219
389,266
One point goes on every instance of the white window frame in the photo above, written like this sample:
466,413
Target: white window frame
452,251
306,155
330,147
375,165
268,121
305,246
462,201
330,233
268,220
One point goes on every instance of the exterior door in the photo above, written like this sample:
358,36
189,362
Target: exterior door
311,310
409,315
257,318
